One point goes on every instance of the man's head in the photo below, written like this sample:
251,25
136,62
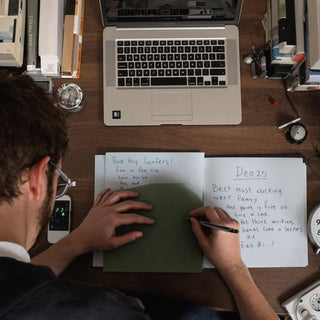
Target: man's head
31,129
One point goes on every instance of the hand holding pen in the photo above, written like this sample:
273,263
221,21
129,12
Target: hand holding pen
221,247
215,226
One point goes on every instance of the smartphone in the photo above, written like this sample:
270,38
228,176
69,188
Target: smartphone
59,223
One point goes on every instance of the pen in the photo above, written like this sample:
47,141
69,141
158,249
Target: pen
215,226
288,123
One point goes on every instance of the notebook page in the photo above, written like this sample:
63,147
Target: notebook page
268,198
125,170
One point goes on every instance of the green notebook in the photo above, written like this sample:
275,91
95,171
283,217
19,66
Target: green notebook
167,246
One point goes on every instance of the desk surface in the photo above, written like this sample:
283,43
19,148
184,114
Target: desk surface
257,134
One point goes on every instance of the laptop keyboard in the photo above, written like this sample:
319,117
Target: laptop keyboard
171,63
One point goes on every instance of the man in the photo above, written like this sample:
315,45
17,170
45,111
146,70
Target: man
33,141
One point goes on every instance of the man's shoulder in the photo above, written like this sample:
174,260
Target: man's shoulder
35,290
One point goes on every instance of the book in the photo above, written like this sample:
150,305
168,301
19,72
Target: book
314,34
287,26
68,38
313,76
277,55
72,39
32,25
262,193
50,36
299,7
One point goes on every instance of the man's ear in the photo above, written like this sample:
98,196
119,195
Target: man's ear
37,175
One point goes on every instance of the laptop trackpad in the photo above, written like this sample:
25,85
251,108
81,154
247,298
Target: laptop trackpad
171,106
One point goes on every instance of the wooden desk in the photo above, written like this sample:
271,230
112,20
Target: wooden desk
257,134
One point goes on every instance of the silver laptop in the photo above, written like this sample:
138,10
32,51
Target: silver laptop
171,62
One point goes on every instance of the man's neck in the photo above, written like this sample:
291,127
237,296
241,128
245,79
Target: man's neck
14,225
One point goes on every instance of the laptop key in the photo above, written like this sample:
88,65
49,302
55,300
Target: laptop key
122,73
214,81
192,81
128,82
121,82
217,64
217,72
199,81
145,81
122,65
218,49
178,81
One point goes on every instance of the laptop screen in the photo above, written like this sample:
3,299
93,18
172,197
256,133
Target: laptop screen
114,11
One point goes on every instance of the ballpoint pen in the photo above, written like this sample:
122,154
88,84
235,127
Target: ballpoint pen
215,226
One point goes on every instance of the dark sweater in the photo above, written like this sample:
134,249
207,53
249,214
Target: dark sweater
34,292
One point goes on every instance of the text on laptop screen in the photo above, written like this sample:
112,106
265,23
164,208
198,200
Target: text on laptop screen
179,10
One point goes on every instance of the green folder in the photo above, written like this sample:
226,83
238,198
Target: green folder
169,245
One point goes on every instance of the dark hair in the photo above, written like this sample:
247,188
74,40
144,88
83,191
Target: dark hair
31,127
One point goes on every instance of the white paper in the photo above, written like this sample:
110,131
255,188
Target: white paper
268,198
129,170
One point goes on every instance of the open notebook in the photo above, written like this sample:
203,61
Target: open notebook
267,195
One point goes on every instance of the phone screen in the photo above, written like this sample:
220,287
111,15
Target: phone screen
59,220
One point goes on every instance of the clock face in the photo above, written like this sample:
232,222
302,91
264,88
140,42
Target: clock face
70,97
315,302
297,132
314,226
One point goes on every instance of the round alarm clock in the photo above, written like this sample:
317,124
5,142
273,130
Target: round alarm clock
296,133
70,97
314,227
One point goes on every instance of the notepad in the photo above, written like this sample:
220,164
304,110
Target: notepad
267,195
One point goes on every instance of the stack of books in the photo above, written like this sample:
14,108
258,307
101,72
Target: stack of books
292,32
53,41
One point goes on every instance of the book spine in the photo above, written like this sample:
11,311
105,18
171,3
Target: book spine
77,40
299,7
68,39
314,77
287,26
314,33
50,36
76,73
32,34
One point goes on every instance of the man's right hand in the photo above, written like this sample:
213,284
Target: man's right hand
220,247
97,232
